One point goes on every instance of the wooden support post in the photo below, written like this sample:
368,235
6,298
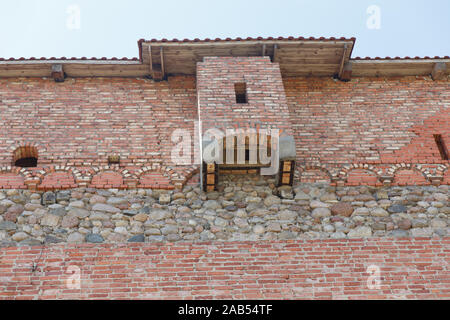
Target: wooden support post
157,68
286,173
439,71
341,67
58,73
263,50
346,72
161,54
275,53
210,178
151,60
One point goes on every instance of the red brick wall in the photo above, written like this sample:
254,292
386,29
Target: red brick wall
366,131
80,122
266,107
370,121
83,120
331,269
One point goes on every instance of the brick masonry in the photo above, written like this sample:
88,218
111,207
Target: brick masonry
77,124
298,269
368,131
266,107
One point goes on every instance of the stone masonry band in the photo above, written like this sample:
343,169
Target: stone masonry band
245,207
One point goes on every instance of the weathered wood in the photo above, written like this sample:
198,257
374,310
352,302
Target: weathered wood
150,59
275,53
296,58
346,74
439,71
387,68
58,73
287,169
161,54
341,67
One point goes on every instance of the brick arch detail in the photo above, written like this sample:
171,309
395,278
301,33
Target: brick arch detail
125,173
8,173
446,176
362,176
322,168
391,171
184,175
346,171
167,172
46,171
343,173
128,178
26,174
442,169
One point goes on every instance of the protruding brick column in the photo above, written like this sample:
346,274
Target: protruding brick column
245,93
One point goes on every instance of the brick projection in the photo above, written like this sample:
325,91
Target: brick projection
266,107
294,269
369,131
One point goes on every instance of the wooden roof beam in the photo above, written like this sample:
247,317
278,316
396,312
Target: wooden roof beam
151,60
275,53
58,72
157,68
163,69
439,71
346,74
342,65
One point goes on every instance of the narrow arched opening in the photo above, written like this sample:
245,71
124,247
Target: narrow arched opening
25,157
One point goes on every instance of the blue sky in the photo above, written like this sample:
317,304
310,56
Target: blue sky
111,27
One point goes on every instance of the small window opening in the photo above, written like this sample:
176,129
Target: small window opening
441,146
25,157
241,92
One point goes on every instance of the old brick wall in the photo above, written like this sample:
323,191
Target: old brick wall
266,107
360,131
331,269
78,123
368,131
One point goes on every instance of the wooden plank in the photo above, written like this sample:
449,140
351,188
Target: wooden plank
341,67
150,59
210,180
161,53
275,53
58,72
439,71
346,74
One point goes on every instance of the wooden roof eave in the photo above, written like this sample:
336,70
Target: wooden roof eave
295,57
395,67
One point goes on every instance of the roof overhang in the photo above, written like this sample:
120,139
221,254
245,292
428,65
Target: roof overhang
318,57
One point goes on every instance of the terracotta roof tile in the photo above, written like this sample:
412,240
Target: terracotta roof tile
238,39
401,58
